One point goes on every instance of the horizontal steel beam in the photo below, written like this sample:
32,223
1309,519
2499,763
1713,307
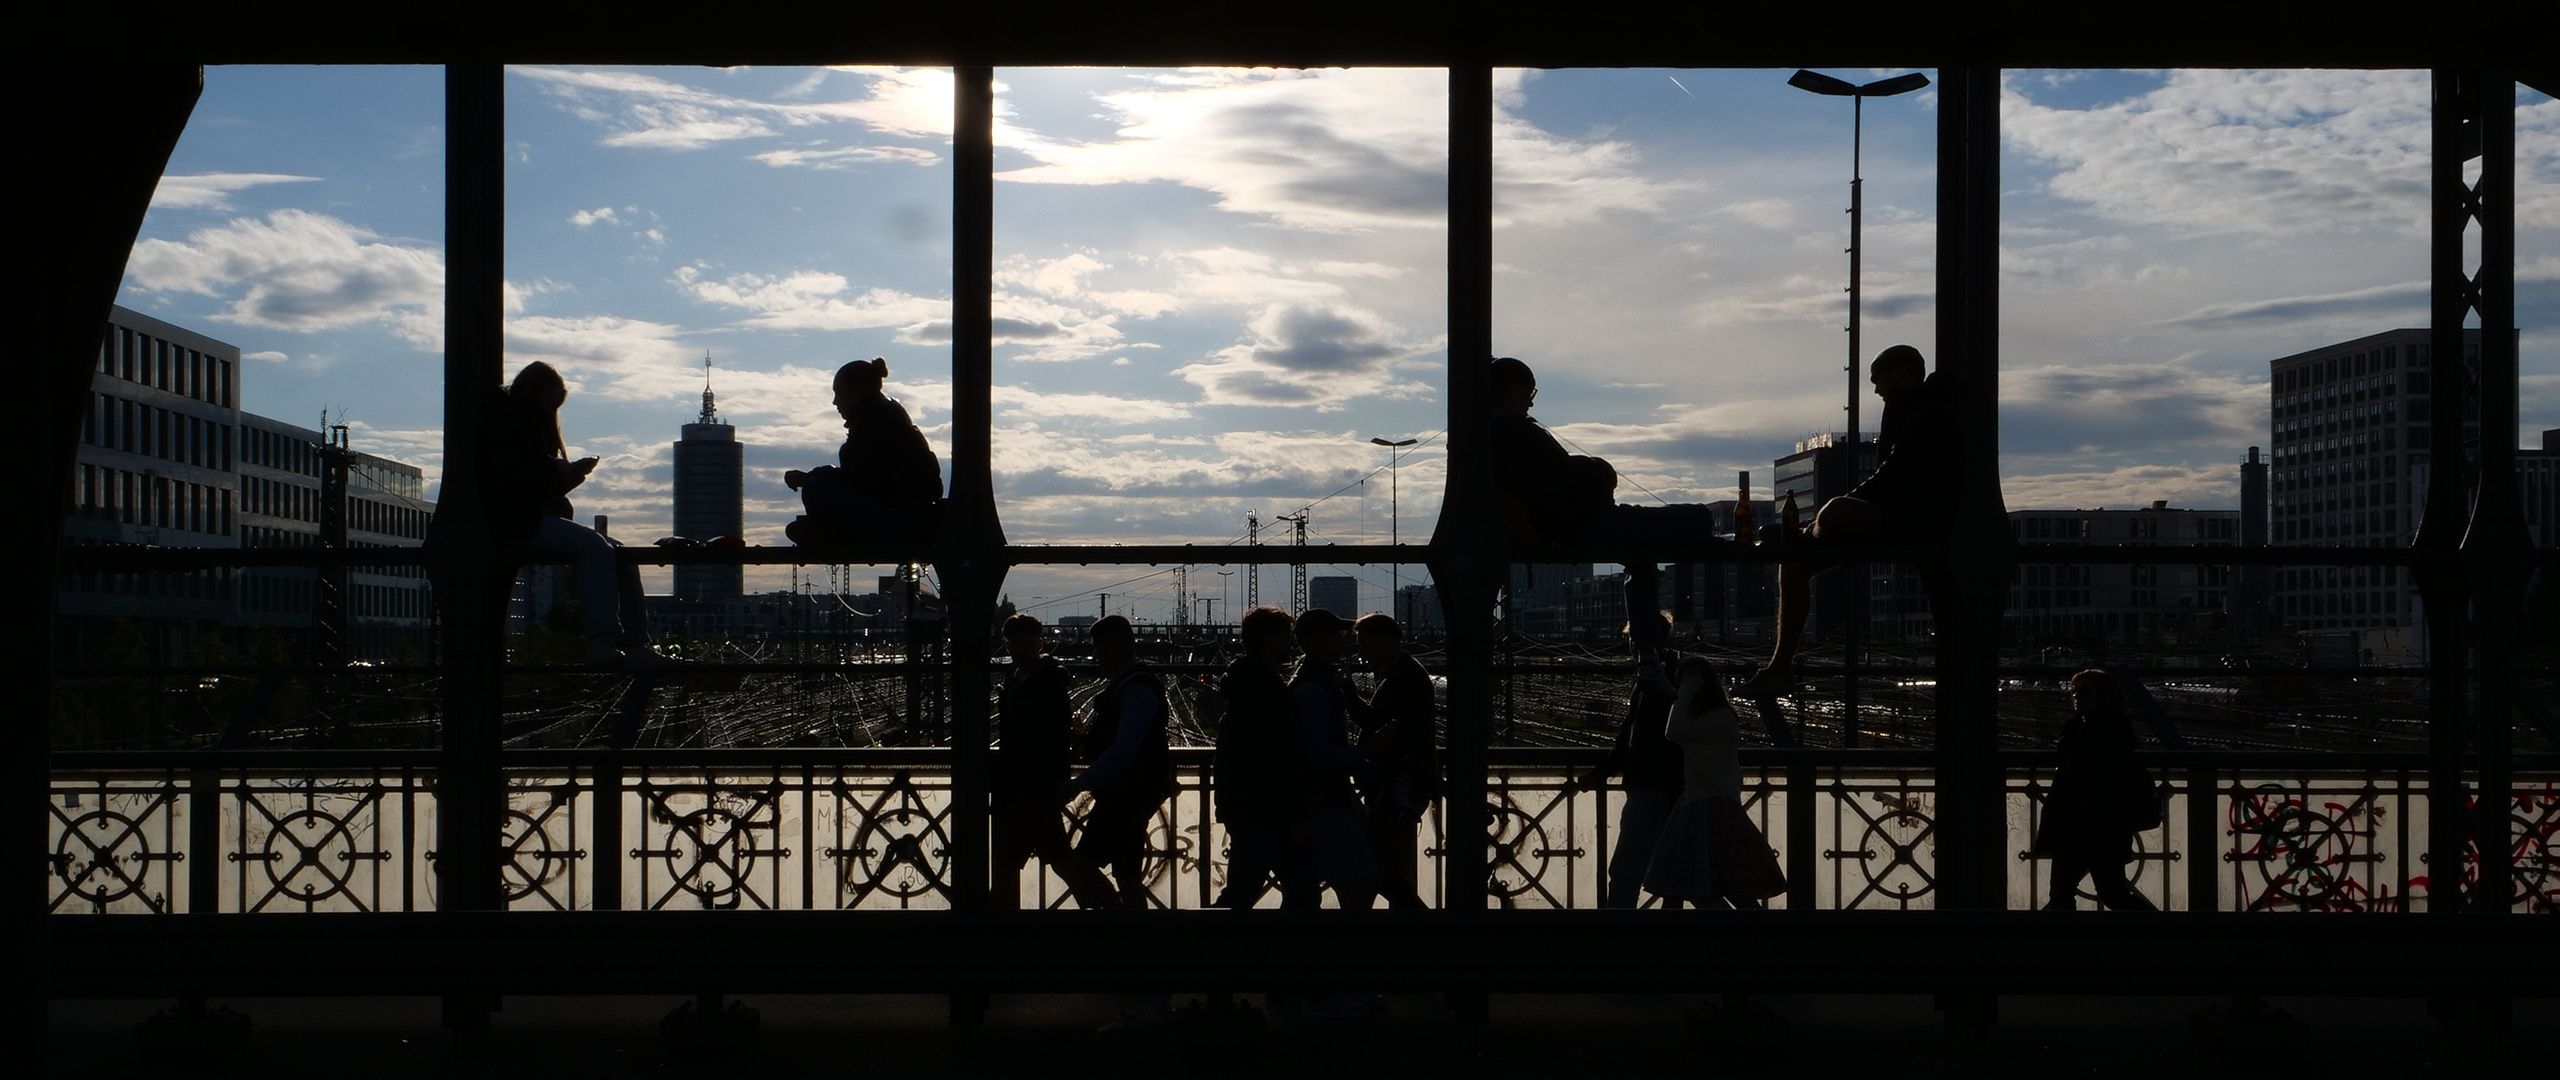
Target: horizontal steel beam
1314,33
1102,951
931,759
145,560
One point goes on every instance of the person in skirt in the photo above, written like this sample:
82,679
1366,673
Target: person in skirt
1710,855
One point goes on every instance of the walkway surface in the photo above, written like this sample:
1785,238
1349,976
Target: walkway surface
604,1038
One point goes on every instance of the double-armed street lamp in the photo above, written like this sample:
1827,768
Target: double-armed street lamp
1395,570
1857,95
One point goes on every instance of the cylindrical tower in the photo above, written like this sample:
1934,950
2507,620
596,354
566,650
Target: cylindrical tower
710,494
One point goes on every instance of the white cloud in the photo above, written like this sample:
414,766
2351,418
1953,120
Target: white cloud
269,355
303,272
648,112
584,218
846,156
1336,150
815,300
2255,153
212,191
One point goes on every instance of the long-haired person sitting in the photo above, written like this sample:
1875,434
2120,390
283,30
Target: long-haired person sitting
526,475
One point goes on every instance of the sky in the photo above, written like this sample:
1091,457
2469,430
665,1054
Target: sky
1214,287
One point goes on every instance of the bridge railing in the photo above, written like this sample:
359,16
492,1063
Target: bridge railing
253,831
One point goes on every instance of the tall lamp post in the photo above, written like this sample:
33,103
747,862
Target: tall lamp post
1857,95
1856,607
1395,513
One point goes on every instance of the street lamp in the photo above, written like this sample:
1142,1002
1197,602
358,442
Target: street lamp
1857,95
1395,516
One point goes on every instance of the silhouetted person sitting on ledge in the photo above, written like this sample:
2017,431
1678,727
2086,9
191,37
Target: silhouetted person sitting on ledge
1549,496
1908,500
886,485
526,477
2100,798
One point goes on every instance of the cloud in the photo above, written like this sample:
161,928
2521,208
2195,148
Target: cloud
2186,487
269,355
2378,302
1336,151
212,191
1314,355
1012,400
2159,409
584,218
302,272
2256,153
816,300
843,157
648,112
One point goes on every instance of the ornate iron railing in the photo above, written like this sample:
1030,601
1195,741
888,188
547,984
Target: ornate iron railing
825,830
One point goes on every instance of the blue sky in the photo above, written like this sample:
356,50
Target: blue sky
1215,286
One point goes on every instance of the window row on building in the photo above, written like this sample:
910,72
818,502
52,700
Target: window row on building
168,434
136,355
152,501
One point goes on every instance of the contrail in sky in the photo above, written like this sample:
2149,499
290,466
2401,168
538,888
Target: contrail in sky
1675,81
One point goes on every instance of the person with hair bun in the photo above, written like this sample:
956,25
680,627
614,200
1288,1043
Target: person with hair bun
886,485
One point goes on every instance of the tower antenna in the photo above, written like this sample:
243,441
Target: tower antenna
710,413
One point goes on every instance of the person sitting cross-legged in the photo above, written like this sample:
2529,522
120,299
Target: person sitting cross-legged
886,485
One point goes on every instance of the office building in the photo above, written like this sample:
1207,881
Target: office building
1339,595
168,459
710,494
2351,424
2049,600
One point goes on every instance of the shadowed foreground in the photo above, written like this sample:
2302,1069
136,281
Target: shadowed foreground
1529,1035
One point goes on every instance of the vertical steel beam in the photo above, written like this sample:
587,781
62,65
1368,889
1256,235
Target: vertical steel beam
2494,546
1470,559
462,558
470,586
970,549
1972,820
2440,581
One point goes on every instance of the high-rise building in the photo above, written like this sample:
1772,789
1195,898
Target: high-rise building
1339,595
710,497
2351,427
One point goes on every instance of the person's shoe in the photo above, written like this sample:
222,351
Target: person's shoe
1766,683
